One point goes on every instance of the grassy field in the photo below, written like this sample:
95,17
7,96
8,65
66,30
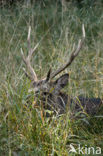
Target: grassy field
22,132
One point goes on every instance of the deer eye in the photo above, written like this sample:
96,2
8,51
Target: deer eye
37,92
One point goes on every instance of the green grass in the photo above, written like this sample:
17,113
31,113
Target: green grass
22,130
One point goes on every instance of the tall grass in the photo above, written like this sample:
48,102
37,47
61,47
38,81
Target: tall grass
22,131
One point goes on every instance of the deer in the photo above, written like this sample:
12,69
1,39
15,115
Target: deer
49,91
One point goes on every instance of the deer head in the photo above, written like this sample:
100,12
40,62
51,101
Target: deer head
50,90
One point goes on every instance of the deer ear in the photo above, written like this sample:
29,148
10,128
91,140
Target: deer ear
61,82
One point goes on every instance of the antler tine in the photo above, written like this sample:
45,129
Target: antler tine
28,40
72,56
26,60
31,51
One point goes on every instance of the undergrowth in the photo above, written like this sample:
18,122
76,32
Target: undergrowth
22,130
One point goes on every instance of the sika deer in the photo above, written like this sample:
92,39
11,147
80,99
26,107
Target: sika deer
50,91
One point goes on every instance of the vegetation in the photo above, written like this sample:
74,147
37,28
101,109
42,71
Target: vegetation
22,130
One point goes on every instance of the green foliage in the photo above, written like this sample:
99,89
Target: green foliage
22,129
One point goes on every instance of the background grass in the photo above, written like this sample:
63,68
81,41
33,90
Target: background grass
22,131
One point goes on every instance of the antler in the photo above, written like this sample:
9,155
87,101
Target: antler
27,59
72,56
